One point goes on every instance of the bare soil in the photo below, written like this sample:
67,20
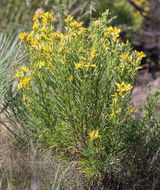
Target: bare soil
141,89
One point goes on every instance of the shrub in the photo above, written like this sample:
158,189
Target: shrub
77,90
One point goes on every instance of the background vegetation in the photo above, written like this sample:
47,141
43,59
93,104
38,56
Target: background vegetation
16,14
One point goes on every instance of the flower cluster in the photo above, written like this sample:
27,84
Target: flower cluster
140,55
74,28
94,135
133,59
44,41
114,32
24,79
122,91
123,88
144,5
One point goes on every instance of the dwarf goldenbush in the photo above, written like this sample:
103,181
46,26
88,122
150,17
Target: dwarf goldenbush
77,90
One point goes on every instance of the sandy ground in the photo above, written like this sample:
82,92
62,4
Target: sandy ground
141,90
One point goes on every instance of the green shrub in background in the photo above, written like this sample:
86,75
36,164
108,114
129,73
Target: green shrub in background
128,13
15,14
77,90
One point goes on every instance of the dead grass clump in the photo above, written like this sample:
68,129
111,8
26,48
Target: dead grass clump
31,168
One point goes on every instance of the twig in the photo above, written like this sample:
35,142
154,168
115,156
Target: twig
91,13
141,10
78,9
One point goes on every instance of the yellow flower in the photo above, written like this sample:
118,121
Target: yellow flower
19,86
41,64
30,35
47,48
39,13
48,16
121,68
23,36
116,97
136,14
83,30
123,88
56,35
22,68
126,57
120,109
112,114
59,50
32,72
23,82
35,25
72,33
140,67
17,75
94,135
97,21
44,36
24,98
93,53
89,65
143,4
113,31
70,78
119,88
44,21
140,55
76,24
127,86
84,58
69,18
132,110
78,65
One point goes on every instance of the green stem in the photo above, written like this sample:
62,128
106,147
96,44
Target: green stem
75,135
45,107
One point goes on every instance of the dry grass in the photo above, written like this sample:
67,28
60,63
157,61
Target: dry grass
33,169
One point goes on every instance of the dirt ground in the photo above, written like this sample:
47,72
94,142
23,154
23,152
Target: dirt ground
141,90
